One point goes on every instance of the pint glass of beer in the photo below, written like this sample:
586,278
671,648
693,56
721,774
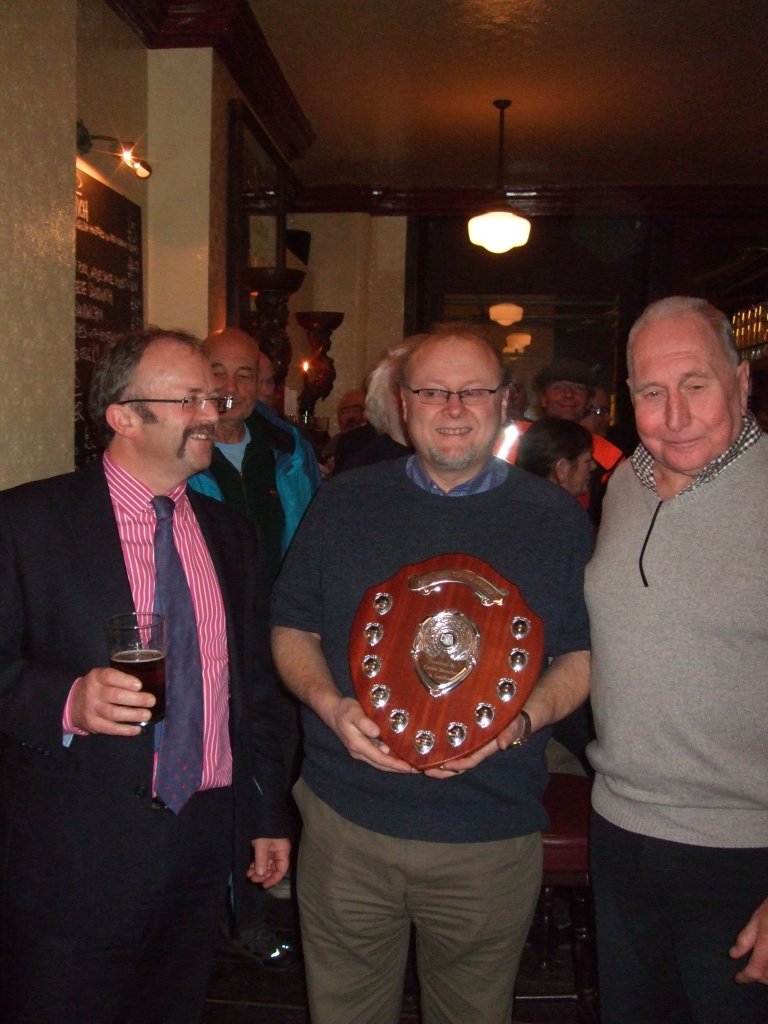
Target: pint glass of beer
136,645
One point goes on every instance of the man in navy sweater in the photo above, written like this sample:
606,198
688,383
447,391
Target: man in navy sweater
453,850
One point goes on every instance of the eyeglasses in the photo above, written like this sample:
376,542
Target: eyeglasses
439,396
202,402
598,410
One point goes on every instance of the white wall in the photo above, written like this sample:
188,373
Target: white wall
37,238
76,59
112,96
177,266
356,266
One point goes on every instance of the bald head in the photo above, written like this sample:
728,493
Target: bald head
230,336
234,358
351,410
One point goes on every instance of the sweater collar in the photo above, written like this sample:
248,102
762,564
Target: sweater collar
642,460
492,475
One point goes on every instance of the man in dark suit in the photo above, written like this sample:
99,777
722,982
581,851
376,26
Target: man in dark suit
109,899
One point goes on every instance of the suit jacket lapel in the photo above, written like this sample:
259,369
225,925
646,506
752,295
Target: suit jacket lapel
94,534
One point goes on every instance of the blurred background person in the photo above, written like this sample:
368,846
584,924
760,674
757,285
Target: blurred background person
382,410
350,414
597,418
563,389
261,465
265,469
566,390
351,410
267,374
517,404
560,451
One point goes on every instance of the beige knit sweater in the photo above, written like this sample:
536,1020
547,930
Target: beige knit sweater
680,667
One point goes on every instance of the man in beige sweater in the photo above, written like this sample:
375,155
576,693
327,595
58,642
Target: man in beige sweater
678,604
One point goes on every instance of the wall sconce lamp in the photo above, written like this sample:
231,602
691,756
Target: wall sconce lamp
123,151
500,229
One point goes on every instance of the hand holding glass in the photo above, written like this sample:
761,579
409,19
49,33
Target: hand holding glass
136,645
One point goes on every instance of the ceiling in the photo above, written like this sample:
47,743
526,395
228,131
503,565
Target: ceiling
399,93
387,105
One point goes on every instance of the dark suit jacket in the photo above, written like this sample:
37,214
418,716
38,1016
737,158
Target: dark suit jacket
349,443
62,574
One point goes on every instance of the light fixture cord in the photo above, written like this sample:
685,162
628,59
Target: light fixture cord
501,106
500,167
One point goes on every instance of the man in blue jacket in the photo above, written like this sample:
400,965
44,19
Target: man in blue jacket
262,467
261,464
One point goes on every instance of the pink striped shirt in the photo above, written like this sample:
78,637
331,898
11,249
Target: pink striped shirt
136,522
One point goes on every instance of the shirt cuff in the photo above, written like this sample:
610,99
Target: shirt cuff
68,728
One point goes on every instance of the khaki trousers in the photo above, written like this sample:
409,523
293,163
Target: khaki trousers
359,893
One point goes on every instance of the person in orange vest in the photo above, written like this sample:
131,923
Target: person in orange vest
565,388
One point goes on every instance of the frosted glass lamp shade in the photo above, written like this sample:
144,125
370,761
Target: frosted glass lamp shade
499,230
506,313
517,342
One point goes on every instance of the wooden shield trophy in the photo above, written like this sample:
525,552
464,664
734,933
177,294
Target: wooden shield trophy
443,656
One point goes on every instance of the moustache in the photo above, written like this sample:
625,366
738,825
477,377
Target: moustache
197,432
200,431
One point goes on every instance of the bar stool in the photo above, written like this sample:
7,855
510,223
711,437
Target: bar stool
566,867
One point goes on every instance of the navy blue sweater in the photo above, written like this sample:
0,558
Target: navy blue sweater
361,528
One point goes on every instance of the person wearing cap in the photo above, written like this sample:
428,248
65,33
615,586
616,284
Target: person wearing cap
565,387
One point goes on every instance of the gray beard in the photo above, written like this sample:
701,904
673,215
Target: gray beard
455,462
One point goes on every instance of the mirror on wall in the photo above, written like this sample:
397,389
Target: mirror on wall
533,330
255,202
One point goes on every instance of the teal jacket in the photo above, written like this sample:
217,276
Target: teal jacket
278,479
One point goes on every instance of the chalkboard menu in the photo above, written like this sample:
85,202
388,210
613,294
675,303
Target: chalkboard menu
108,288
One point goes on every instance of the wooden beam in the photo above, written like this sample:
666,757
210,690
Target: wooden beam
542,201
230,28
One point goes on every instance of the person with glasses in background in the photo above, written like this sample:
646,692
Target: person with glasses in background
119,836
453,850
597,418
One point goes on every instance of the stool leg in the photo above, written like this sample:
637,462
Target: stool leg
543,940
583,953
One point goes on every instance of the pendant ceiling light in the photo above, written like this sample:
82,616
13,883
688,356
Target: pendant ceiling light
506,313
500,229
